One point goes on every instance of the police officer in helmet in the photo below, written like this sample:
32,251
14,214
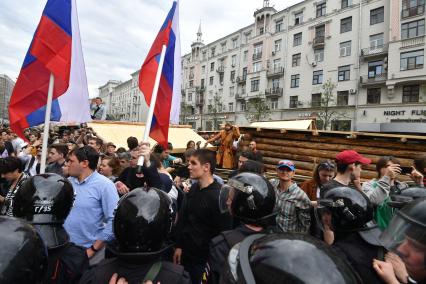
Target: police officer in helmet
406,236
250,198
291,258
349,214
142,224
45,201
23,256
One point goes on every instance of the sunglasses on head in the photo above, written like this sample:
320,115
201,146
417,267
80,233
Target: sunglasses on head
326,166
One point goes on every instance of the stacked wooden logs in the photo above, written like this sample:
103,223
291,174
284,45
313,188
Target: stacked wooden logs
306,149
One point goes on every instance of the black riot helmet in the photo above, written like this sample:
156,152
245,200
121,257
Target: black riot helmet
45,201
407,232
406,196
143,221
23,256
346,209
250,198
286,258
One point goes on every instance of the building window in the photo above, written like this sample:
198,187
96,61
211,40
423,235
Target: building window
317,77
410,94
234,60
373,96
274,103
377,16
277,46
319,54
244,73
293,101
212,67
413,29
235,43
275,83
243,106
343,98
316,100
297,39
345,3
346,25
376,41
412,60
213,51
295,61
257,66
257,48
345,48
203,69
202,83
204,55
189,97
231,106
320,32
375,69
221,75
341,125
232,77
255,85
191,83
412,8
223,47
261,30
321,9
276,65
245,54
298,18
278,25
295,81
344,73
211,80
231,91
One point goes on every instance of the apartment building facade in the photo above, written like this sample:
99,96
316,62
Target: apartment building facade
6,88
371,51
123,100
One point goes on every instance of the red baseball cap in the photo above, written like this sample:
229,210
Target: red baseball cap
350,156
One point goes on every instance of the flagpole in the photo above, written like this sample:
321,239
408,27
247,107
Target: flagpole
152,104
47,123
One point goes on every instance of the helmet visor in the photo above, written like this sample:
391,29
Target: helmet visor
323,217
225,198
401,231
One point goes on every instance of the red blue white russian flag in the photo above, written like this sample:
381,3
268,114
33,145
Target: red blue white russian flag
56,49
167,106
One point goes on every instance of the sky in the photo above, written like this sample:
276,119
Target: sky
116,34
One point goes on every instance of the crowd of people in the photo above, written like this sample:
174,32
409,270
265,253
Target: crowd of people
94,216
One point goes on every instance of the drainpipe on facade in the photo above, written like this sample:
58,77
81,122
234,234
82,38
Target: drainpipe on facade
353,127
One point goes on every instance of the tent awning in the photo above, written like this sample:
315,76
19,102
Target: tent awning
118,132
284,124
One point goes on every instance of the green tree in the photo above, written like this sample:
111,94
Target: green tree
215,108
327,109
257,109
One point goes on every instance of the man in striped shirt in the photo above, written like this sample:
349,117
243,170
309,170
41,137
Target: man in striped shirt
292,203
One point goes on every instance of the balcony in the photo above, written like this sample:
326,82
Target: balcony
413,11
275,72
257,56
241,79
274,92
319,41
412,42
220,69
374,51
240,96
378,79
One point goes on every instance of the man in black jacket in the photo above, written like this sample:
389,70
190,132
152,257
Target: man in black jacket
199,218
250,198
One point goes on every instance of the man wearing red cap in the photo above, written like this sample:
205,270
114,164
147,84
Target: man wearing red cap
348,164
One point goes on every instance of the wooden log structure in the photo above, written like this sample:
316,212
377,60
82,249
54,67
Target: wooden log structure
307,149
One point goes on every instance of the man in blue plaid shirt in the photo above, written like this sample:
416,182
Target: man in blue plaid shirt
293,205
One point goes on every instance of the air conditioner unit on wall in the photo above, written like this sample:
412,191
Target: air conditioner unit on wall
300,103
313,63
273,53
352,91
